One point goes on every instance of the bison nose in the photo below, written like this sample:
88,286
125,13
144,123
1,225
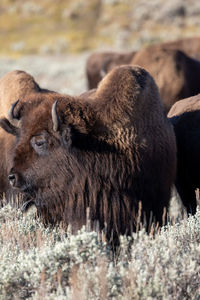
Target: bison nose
12,179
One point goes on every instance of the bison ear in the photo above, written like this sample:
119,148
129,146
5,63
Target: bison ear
66,135
57,127
8,127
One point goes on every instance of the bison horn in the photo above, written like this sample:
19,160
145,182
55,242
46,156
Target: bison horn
55,118
13,120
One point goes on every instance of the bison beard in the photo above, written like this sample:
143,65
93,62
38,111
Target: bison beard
109,151
75,181
67,186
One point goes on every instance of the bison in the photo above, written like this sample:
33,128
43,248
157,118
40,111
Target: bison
185,117
99,64
111,153
13,85
176,74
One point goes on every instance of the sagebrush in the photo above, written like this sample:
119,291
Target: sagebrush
49,263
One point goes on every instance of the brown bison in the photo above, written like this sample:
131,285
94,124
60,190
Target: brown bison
185,117
13,85
176,74
98,64
104,153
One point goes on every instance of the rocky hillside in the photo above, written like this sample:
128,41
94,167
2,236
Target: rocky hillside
54,27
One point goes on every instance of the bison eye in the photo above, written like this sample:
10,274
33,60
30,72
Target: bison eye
39,144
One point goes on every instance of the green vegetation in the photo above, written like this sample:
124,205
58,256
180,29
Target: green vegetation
45,263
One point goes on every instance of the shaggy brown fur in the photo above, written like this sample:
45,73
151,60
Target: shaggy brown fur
98,63
185,117
14,85
113,149
176,74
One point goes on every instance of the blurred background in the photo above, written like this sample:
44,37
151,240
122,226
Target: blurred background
52,39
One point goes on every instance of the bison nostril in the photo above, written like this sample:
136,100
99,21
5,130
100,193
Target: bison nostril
12,179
